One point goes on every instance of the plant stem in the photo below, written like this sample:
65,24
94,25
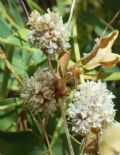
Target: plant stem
57,131
6,73
71,11
48,143
24,7
51,68
76,46
66,127
12,22
45,134
75,140
82,80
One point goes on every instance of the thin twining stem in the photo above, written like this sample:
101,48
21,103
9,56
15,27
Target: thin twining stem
61,102
24,7
10,67
71,11
110,23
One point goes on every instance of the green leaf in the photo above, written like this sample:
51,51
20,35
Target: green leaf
8,112
21,60
97,23
57,131
9,103
15,12
4,28
18,39
111,76
2,9
7,120
19,65
4,14
61,146
34,124
34,6
32,68
90,18
112,5
61,8
22,143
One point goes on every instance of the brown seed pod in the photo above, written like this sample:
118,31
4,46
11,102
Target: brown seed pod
61,89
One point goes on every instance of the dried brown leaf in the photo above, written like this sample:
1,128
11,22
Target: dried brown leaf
90,146
62,64
102,53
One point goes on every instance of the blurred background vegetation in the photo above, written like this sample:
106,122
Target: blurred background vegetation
89,20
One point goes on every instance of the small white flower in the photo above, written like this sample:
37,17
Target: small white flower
48,32
39,92
92,107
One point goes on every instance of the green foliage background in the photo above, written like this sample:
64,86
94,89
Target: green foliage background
89,20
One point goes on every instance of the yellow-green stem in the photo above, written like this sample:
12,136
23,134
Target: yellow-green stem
61,102
12,22
6,73
57,130
82,80
75,42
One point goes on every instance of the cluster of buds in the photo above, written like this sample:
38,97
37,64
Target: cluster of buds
48,32
92,107
38,93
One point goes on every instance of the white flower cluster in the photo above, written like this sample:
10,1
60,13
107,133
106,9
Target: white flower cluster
92,107
48,32
39,93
